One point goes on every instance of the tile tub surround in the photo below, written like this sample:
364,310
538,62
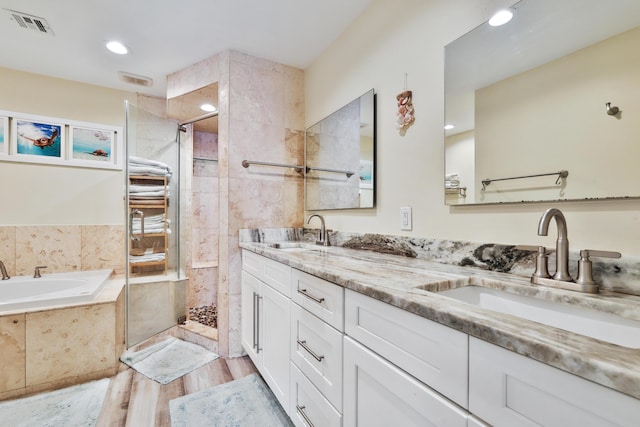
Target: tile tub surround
619,275
393,279
62,248
69,345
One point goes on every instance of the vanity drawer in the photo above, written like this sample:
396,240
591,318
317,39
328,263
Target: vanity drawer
323,299
316,349
377,393
273,273
433,353
307,401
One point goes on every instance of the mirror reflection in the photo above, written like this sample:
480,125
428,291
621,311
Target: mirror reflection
340,158
534,104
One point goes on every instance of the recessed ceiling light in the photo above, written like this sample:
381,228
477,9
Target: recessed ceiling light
208,108
117,47
501,17
448,127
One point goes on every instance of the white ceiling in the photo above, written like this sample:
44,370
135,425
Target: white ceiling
165,36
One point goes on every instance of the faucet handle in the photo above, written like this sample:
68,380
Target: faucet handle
36,271
542,262
586,253
585,271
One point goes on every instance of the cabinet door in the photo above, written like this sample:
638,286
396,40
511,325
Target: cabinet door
12,352
377,393
249,322
508,389
274,323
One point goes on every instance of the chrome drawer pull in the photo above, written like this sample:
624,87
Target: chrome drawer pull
311,297
303,344
300,410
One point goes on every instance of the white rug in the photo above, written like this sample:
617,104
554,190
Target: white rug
246,402
169,359
78,405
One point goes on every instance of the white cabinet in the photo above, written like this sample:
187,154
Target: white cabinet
265,326
508,389
433,353
377,393
249,319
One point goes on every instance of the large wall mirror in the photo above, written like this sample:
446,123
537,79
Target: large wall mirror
340,158
545,107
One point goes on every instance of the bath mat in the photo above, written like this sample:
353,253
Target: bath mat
79,405
169,359
244,402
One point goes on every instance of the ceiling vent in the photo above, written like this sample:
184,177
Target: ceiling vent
135,79
30,22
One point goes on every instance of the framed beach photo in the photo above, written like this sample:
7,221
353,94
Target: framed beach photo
92,144
37,140
4,135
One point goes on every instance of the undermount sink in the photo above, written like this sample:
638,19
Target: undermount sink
591,323
296,246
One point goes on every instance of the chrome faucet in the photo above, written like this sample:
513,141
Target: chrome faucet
562,243
3,270
322,234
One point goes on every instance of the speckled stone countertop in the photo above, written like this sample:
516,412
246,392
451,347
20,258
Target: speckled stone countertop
412,283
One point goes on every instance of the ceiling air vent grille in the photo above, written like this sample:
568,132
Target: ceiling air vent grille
30,22
135,79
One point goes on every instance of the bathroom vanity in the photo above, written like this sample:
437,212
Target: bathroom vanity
364,338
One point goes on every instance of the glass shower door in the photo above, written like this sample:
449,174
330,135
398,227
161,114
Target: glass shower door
154,281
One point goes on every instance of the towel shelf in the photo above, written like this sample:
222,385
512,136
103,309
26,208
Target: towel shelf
561,175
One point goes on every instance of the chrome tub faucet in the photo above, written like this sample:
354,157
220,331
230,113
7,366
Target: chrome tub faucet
3,270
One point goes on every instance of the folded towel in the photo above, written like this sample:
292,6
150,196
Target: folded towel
146,258
147,194
452,176
147,162
138,188
148,171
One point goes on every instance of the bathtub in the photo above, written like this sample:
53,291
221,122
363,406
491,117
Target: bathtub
59,330
56,289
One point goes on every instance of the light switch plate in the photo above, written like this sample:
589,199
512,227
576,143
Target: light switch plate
406,222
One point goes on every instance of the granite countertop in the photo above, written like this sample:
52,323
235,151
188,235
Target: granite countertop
411,284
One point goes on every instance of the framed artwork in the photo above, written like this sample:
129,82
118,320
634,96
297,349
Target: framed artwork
366,174
38,140
4,135
92,144
26,138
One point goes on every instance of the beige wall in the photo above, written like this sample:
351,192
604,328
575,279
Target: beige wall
43,194
376,52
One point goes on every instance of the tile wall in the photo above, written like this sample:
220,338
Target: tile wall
62,248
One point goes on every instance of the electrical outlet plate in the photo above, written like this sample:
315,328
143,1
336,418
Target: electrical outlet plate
406,222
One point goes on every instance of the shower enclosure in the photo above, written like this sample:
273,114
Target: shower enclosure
155,276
